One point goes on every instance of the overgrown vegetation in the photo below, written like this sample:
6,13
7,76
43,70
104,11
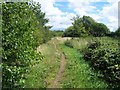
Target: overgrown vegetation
78,73
43,73
23,29
115,34
104,55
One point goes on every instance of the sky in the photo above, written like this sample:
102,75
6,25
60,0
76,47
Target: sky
60,12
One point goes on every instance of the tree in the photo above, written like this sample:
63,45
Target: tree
80,27
44,34
87,23
36,8
84,26
117,32
99,29
80,30
70,32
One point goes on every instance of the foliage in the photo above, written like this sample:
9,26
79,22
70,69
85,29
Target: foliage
70,32
43,34
77,30
85,26
57,33
87,22
68,43
22,32
36,8
99,29
43,74
78,73
105,56
117,32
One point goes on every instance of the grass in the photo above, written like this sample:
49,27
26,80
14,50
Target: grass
81,43
78,73
113,43
43,74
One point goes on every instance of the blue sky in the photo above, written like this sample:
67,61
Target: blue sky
99,5
60,12
63,6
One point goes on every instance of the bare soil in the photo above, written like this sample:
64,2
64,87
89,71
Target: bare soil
56,82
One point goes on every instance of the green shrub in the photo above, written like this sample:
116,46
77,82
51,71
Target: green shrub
103,57
19,41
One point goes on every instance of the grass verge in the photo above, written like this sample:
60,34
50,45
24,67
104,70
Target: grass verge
78,73
43,73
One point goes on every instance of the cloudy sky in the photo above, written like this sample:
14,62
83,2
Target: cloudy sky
60,12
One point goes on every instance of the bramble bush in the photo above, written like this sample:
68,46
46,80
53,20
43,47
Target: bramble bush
106,58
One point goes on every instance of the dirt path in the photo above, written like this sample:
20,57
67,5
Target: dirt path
56,82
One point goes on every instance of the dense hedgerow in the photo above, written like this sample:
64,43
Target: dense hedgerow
106,58
21,34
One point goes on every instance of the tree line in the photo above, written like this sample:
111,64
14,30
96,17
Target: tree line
87,26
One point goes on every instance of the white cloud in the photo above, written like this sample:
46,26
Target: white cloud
61,21
57,18
108,15
48,8
112,1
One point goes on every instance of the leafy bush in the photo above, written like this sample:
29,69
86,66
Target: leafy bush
103,57
94,45
99,29
20,27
